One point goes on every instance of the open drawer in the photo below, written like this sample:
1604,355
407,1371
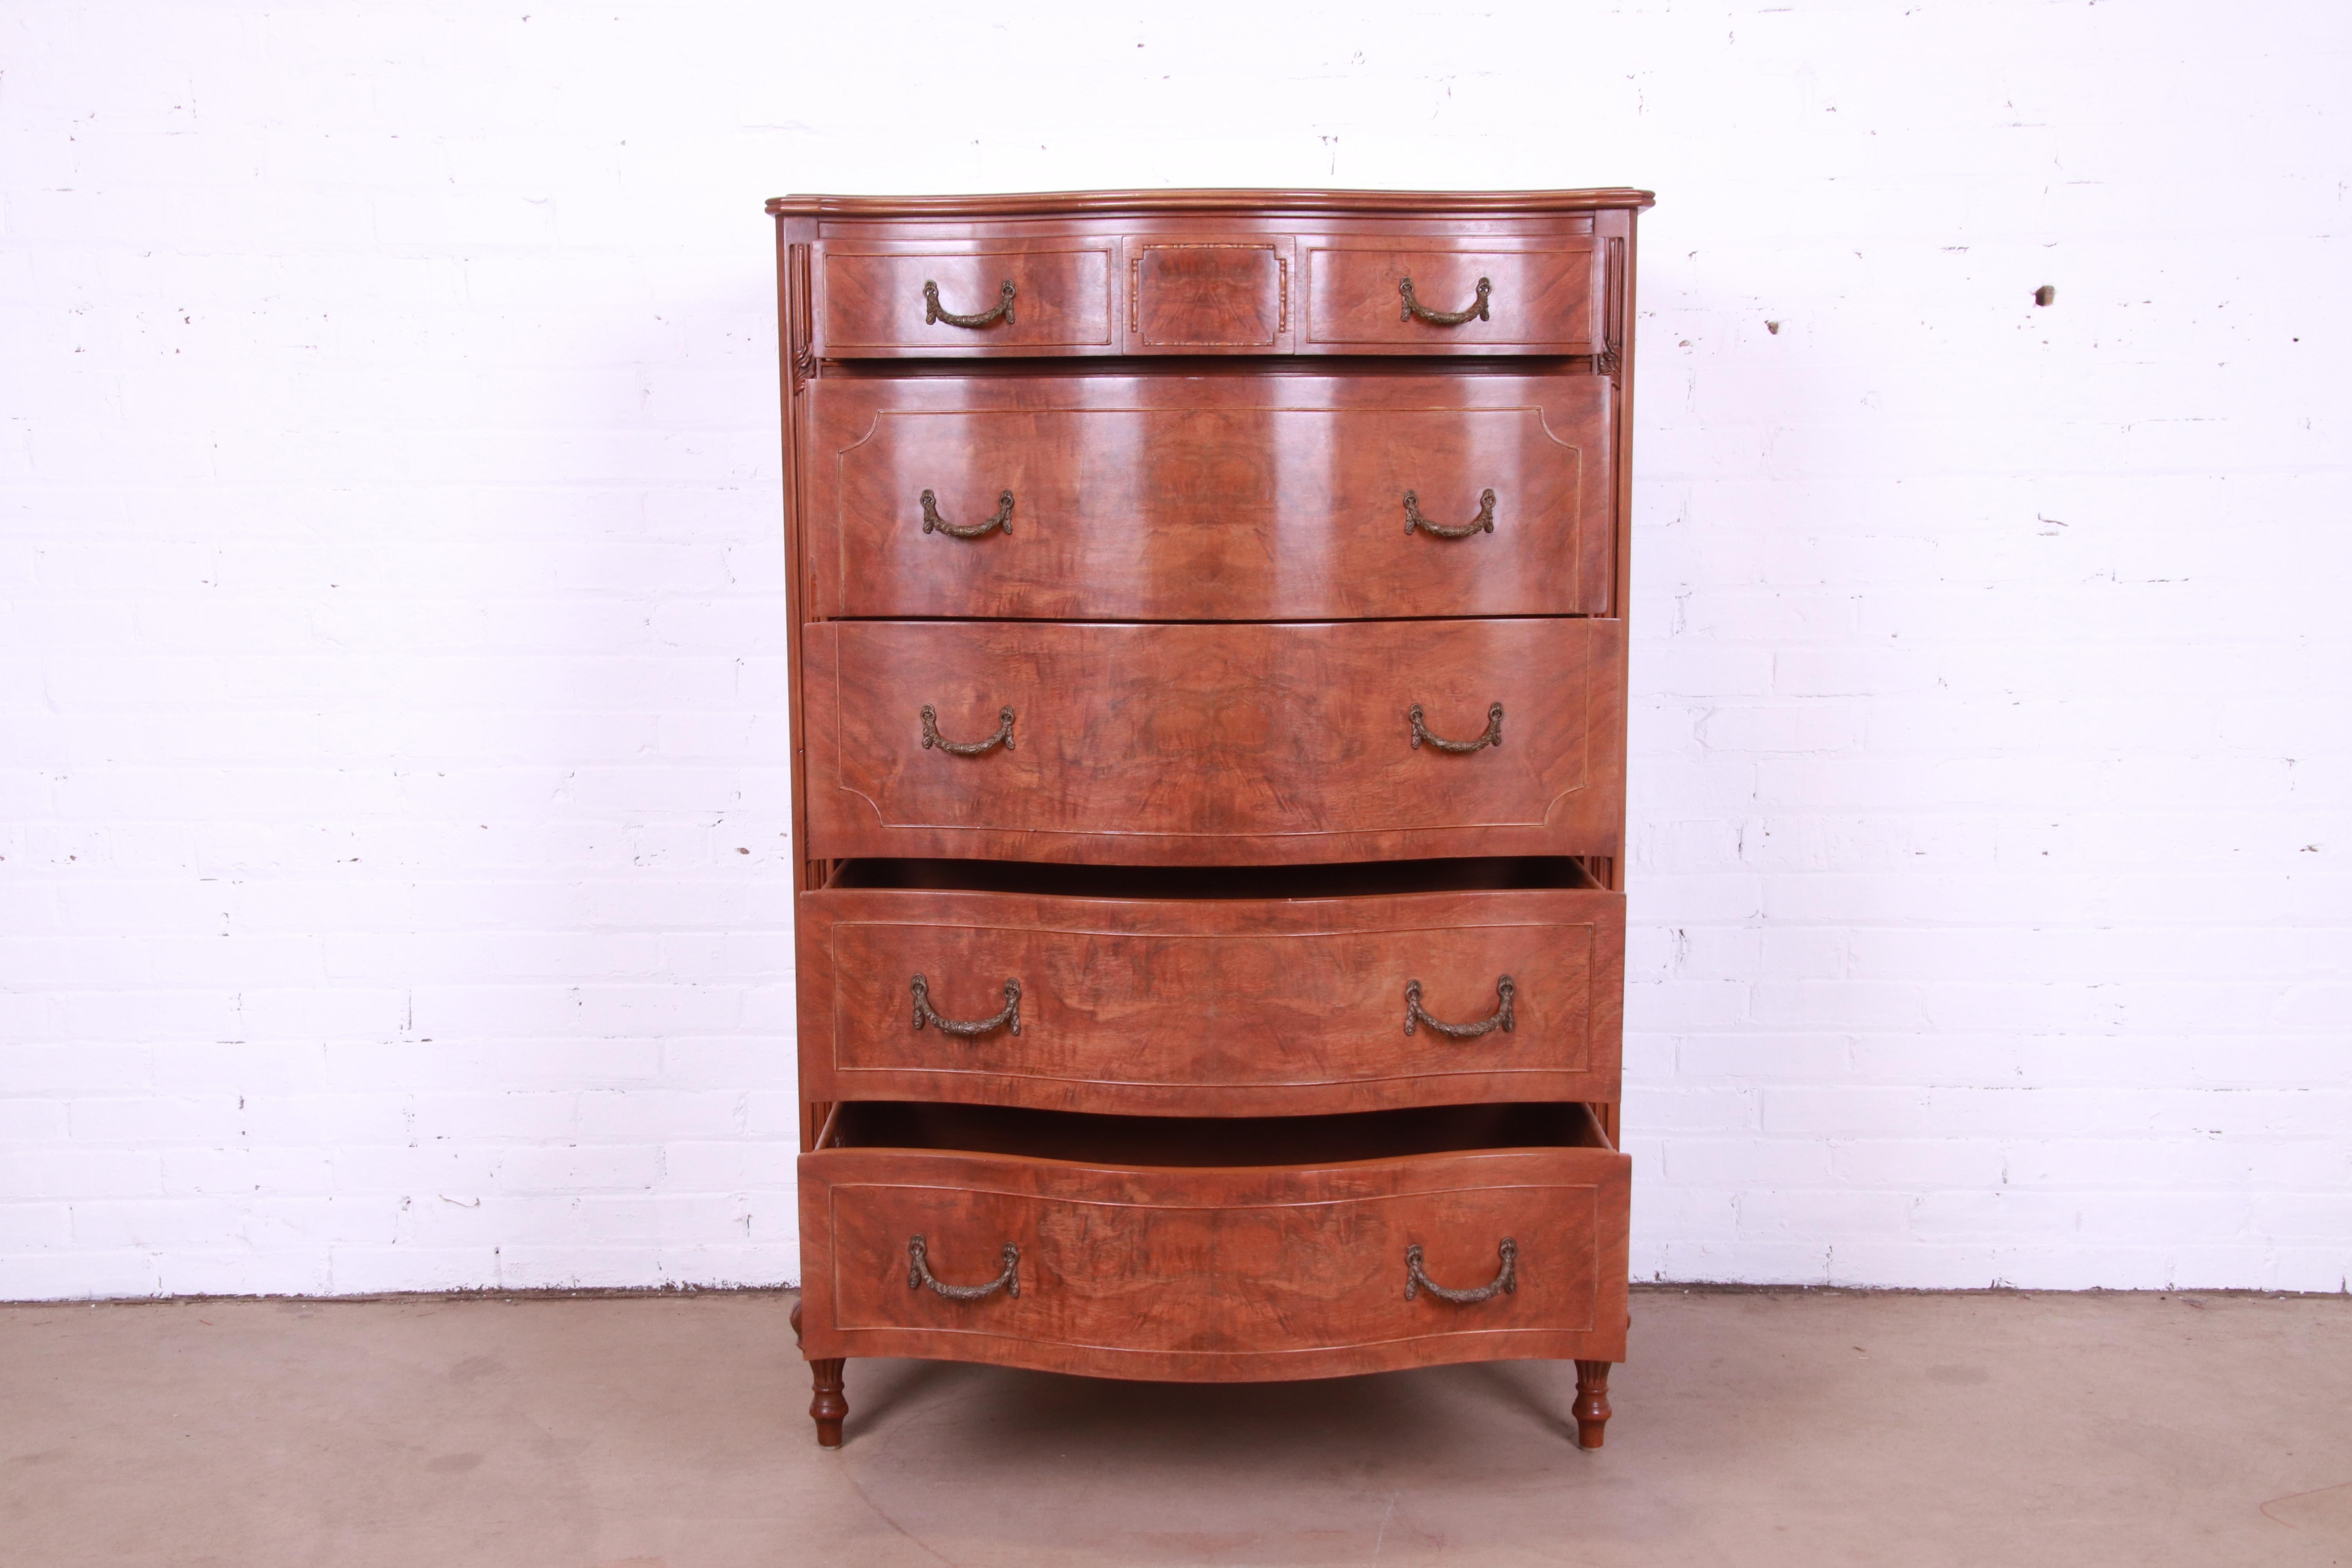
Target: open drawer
1222,1251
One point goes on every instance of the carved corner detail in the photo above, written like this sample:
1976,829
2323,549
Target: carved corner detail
799,328
1611,360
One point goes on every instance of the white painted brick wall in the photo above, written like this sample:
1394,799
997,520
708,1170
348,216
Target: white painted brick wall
391,718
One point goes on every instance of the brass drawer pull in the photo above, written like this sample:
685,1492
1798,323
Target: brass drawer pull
1004,736
1507,1283
934,522
1505,988
1009,1018
1421,735
918,1274
1482,523
1414,307
933,314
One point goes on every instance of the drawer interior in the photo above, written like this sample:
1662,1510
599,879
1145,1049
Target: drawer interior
1342,880
1239,1141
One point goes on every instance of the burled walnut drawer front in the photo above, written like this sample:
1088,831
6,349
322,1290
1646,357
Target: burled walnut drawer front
1214,1006
1249,497
1381,295
1215,1275
951,297
1185,744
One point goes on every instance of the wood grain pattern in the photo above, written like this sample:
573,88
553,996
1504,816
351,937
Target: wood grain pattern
1275,498
1209,854
1208,295
1181,744
1545,295
1214,1006
1216,1274
870,298
1179,286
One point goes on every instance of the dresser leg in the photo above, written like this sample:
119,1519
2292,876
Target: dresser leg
1591,1402
830,1405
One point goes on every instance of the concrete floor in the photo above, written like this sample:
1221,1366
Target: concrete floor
650,1432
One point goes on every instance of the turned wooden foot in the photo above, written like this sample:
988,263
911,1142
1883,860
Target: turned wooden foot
1591,1402
830,1405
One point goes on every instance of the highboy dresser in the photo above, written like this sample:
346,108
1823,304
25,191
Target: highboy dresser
1207,765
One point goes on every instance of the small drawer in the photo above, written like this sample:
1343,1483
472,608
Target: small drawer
1197,992
1374,294
964,298
1192,744
1208,294
1233,1251
1225,497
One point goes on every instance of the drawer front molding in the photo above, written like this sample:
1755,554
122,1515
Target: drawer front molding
951,300
1293,497
1197,296
1506,287
1228,1007
1220,1275
1367,295
1203,745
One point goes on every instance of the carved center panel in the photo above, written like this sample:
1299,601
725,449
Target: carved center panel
1209,295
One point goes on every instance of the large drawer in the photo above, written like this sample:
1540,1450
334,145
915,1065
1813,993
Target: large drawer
1135,1248
1179,744
1210,1006
1228,498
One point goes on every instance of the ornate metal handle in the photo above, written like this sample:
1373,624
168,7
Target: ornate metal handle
1004,736
1009,1018
1482,523
1421,735
1004,311
1414,307
1507,1283
918,1274
1505,988
933,522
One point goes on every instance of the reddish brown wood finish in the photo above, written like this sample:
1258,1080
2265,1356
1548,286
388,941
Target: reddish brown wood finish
1216,1274
796,338
829,1406
1208,295
1591,1409
1213,744
1216,1008
871,295
1172,281
1466,205
1545,297
1273,498
1205,1243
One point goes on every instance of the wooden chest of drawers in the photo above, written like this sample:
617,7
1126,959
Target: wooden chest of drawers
1208,759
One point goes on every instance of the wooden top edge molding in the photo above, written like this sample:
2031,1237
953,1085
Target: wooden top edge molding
1058,204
